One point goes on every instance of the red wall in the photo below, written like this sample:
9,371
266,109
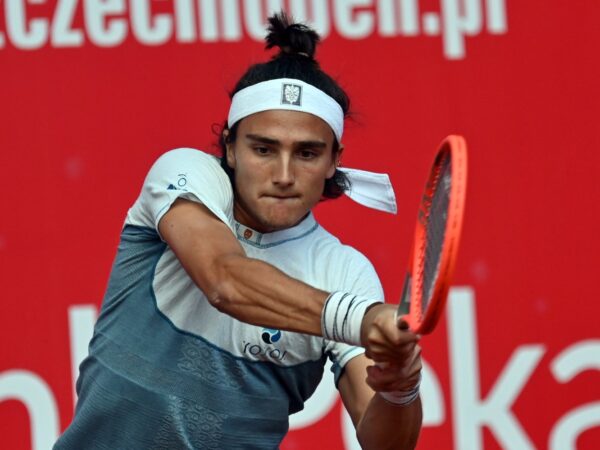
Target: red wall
90,98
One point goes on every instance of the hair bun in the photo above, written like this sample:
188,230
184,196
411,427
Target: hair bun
291,38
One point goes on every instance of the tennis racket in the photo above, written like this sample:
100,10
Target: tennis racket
437,236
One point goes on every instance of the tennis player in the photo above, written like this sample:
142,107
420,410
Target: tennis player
226,296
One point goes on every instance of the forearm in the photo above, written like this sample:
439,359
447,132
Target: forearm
255,292
387,426
245,288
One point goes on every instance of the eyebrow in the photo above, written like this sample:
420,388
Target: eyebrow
299,144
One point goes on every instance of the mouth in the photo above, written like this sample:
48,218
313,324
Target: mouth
281,197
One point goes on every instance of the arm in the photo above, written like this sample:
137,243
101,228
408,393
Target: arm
380,424
256,292
245,288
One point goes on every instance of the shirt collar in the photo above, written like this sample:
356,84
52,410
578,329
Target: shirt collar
265,240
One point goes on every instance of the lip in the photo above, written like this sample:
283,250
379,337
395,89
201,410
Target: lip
281,197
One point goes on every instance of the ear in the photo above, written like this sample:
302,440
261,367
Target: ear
230,154
335,162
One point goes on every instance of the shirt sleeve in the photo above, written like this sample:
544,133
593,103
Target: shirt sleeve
359,278
183,173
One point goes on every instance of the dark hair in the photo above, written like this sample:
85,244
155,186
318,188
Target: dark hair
297,44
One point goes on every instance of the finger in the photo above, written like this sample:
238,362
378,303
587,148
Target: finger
416,361
382,376
399,333
402,323
396,355
401,386
415,356
384,382
393,341
394,375
377,384
401,356
398,385
406,355
385,328
411,364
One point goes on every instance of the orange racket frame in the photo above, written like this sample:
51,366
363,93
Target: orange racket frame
423,322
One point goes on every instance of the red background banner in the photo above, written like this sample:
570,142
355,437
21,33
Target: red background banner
92,92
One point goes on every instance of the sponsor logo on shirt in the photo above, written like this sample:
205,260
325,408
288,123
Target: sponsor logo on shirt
270,336
257,351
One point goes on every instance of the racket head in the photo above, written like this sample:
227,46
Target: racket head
437,236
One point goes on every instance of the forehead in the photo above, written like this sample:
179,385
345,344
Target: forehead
284,125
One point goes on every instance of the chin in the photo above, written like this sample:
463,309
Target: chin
279,223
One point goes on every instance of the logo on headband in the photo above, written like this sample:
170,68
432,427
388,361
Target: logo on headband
291,94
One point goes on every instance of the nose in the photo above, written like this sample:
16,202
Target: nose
284,171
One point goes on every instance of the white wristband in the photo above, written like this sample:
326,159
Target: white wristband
342,317
402,398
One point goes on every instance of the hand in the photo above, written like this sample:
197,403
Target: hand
385,338
389,341
392,377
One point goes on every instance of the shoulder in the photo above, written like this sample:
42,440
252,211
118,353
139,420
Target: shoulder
187,155
185,173
187,152
346,268
328,243
187,167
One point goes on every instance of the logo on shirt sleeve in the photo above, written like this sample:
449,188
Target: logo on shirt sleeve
180,185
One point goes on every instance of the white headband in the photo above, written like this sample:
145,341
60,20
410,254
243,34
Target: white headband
370,189
288,94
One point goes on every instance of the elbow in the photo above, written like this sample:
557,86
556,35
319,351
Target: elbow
220,297
221,288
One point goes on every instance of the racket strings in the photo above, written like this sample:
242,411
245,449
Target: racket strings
435,228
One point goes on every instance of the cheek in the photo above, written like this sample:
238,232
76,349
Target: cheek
246,179
314,185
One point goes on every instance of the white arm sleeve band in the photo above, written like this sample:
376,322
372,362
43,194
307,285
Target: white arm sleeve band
342,316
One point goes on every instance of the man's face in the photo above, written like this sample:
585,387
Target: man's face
281,161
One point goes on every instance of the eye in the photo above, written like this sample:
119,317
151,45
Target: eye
261,150
308,154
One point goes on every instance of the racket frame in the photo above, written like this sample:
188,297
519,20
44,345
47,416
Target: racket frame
411,302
